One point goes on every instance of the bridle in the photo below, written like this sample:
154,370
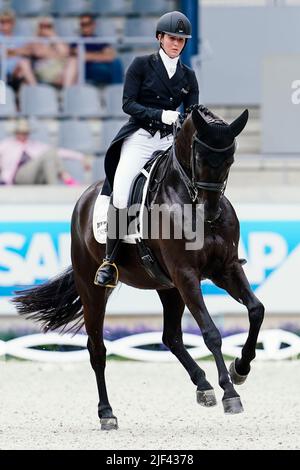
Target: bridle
218,187
192,185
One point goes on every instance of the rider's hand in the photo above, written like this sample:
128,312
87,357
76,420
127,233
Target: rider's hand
169,117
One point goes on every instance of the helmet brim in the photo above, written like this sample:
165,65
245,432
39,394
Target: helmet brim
177,35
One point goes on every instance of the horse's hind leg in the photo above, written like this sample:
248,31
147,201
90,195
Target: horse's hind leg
94,302
173,307
237,285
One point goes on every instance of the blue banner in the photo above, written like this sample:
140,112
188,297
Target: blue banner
35,246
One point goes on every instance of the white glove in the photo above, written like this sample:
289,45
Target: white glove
169,117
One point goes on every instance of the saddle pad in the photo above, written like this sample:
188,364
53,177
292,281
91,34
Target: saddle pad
101,208
100,220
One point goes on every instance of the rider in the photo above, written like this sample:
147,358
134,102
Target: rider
155,86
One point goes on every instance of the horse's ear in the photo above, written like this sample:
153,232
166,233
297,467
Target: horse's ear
199,122
238,125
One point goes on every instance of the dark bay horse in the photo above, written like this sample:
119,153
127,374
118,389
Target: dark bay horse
197,172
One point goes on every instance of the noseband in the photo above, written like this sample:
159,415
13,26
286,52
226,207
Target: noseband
192,184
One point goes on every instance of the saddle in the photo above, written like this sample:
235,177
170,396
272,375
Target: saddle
136,192
144,183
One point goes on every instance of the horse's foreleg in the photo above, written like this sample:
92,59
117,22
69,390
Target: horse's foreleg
94,302
173,308
188,285
237,285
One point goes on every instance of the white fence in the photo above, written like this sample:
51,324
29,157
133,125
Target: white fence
274,345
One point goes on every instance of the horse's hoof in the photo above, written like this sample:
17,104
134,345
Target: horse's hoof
107,424
206,397
232,406
236,378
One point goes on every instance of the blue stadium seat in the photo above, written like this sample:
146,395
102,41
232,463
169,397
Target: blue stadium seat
3,131
126,58
152,7
29,7
9,108
67,27
40,131
82,101
98,172
144,27
110,7
39,100
25,27
108,27
109,130
68,7
113,95
76,135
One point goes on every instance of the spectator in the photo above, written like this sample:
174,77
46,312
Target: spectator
26,161
101,64
17,68
48,59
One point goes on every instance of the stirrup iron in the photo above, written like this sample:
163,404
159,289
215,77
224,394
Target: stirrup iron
105,263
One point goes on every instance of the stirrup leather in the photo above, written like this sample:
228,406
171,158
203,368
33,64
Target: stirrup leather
105,262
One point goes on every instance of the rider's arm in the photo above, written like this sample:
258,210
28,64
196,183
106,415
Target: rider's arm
193,96
132,86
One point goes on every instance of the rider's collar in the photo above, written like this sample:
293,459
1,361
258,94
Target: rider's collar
169,63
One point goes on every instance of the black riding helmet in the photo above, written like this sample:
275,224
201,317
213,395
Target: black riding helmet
174,23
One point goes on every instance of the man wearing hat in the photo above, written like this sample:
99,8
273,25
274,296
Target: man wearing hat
27,161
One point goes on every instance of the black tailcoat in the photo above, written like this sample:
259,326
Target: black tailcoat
148,91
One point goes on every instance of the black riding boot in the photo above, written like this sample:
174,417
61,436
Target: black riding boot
108,275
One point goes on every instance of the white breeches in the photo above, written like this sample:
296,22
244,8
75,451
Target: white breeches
136,151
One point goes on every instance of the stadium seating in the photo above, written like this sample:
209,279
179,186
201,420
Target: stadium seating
76,135
9,108
109,130
40,131
82,100
110,7
68,7
26,26
109,27
113,99
3,132
153,7
39,100
85,109
29,7
126,58
144,27
67,27
98,173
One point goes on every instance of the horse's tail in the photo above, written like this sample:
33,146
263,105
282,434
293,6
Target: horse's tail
55,304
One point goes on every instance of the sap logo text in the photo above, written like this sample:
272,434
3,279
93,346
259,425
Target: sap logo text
23,263
266,251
